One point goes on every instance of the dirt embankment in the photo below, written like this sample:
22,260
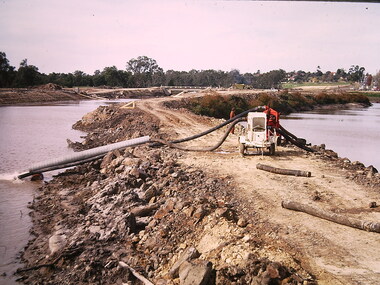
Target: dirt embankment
43,94
198,218
50,93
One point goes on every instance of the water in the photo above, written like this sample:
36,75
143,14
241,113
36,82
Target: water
352,133
29,134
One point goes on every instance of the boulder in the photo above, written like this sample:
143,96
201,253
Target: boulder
189,254
197,272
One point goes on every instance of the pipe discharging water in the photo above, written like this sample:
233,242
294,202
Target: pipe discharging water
81,157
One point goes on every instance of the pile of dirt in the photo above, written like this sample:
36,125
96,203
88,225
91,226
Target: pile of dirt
127,93
49,86
111,124
141,209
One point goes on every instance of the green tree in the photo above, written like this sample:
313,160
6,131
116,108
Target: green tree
82,79
116,77
98,78
355,73
376,80
143,68
271,79
340,74
27,75
7,72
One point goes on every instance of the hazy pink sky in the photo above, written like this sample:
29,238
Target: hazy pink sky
69,35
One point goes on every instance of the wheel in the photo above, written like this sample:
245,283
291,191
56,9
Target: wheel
241,149
279,140
272,149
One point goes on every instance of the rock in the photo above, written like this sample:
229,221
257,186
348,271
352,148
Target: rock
131,161
199,212
57,241
371,171
357,163
145,210
37,177
330,153
195,272
346,160
138,173
189,254
242,222
165,209
373,205
106,161
150,193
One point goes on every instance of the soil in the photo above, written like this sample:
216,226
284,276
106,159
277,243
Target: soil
150,207
43,94
50,93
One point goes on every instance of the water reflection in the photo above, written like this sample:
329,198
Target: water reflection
353,133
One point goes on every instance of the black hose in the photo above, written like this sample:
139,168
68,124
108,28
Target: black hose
211,148
259,108
294,141
288,133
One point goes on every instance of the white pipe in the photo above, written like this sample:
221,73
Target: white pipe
84,155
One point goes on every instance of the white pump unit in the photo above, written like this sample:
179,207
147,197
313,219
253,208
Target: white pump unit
257,134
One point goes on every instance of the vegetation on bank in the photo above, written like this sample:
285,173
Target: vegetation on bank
215,105
290,85
372,94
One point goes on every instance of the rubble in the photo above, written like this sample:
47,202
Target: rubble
355,170
172,224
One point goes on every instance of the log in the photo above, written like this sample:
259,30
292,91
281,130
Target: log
283,170
136,274
333,217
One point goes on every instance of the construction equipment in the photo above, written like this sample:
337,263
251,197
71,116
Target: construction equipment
260,132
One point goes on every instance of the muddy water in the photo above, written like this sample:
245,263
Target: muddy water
29,134
353,133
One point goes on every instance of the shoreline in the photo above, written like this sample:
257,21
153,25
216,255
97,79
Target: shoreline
51,93
168,204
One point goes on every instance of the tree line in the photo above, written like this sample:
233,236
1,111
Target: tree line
145,72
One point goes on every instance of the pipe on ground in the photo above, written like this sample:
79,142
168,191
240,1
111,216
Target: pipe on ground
83,156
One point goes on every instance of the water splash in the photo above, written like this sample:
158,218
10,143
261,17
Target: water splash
11,177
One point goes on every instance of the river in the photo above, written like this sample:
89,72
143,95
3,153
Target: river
30,134
353,133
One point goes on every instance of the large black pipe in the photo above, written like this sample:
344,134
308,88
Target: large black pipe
294,141
211,148
259,108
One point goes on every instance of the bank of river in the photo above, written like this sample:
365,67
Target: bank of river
353,133
29,134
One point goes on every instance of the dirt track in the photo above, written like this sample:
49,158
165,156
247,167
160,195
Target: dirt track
335,254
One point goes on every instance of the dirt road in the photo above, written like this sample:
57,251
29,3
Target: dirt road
335,254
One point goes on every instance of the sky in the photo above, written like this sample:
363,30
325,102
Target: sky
88,35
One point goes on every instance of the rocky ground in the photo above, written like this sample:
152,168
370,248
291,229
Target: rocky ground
175,217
